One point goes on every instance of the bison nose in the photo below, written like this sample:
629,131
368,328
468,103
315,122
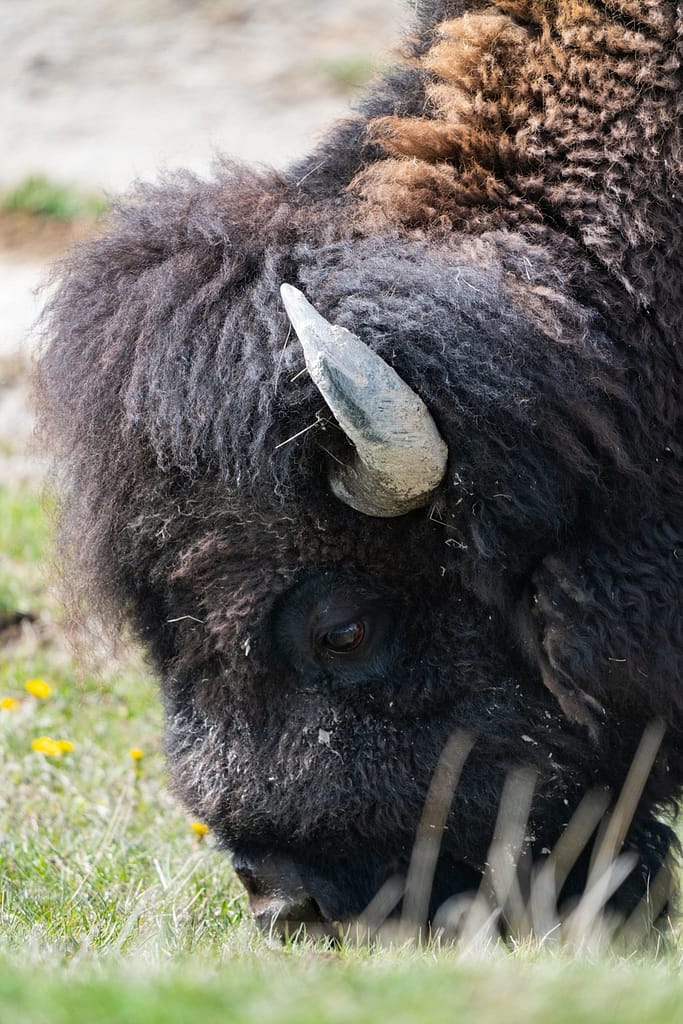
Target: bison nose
278,900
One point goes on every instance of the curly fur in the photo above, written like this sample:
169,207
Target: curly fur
502,222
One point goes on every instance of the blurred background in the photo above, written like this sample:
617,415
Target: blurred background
96,94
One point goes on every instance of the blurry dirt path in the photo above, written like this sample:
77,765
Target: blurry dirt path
99,94
103,92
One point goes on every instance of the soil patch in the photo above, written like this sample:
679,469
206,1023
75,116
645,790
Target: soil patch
35,238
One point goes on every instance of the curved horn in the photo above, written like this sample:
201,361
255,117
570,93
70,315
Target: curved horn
400,456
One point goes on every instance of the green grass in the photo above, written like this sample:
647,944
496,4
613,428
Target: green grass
111,908
39,195
348,74
298,990
23,539
94,853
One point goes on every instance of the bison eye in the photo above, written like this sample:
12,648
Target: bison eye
332,627
343,639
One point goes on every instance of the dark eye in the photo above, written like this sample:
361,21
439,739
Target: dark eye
332,628
343,639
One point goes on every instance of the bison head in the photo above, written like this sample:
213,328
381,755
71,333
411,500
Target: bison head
454,504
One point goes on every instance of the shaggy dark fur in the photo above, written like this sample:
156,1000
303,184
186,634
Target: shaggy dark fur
502,223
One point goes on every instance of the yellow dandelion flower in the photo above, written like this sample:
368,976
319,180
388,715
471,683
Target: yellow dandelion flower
51,748
38,688
46,745
136,753
8,704
199,828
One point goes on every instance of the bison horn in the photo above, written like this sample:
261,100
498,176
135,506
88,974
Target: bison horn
400,456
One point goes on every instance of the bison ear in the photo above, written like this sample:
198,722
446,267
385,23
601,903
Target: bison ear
558,637
400,456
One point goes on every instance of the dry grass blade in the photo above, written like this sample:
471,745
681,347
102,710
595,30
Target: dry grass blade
500,894
369,923
159,900
501,876
553,873
589,926
320,421
608,868
652,905
121,814
619,822
430,832
476,918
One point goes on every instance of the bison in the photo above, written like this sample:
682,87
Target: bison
388,445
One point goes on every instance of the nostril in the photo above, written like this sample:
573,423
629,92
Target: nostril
278,899
274,887
302,909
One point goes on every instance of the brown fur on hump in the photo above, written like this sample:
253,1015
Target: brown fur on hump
566,111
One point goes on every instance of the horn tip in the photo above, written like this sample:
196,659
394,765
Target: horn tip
289,293
298,308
